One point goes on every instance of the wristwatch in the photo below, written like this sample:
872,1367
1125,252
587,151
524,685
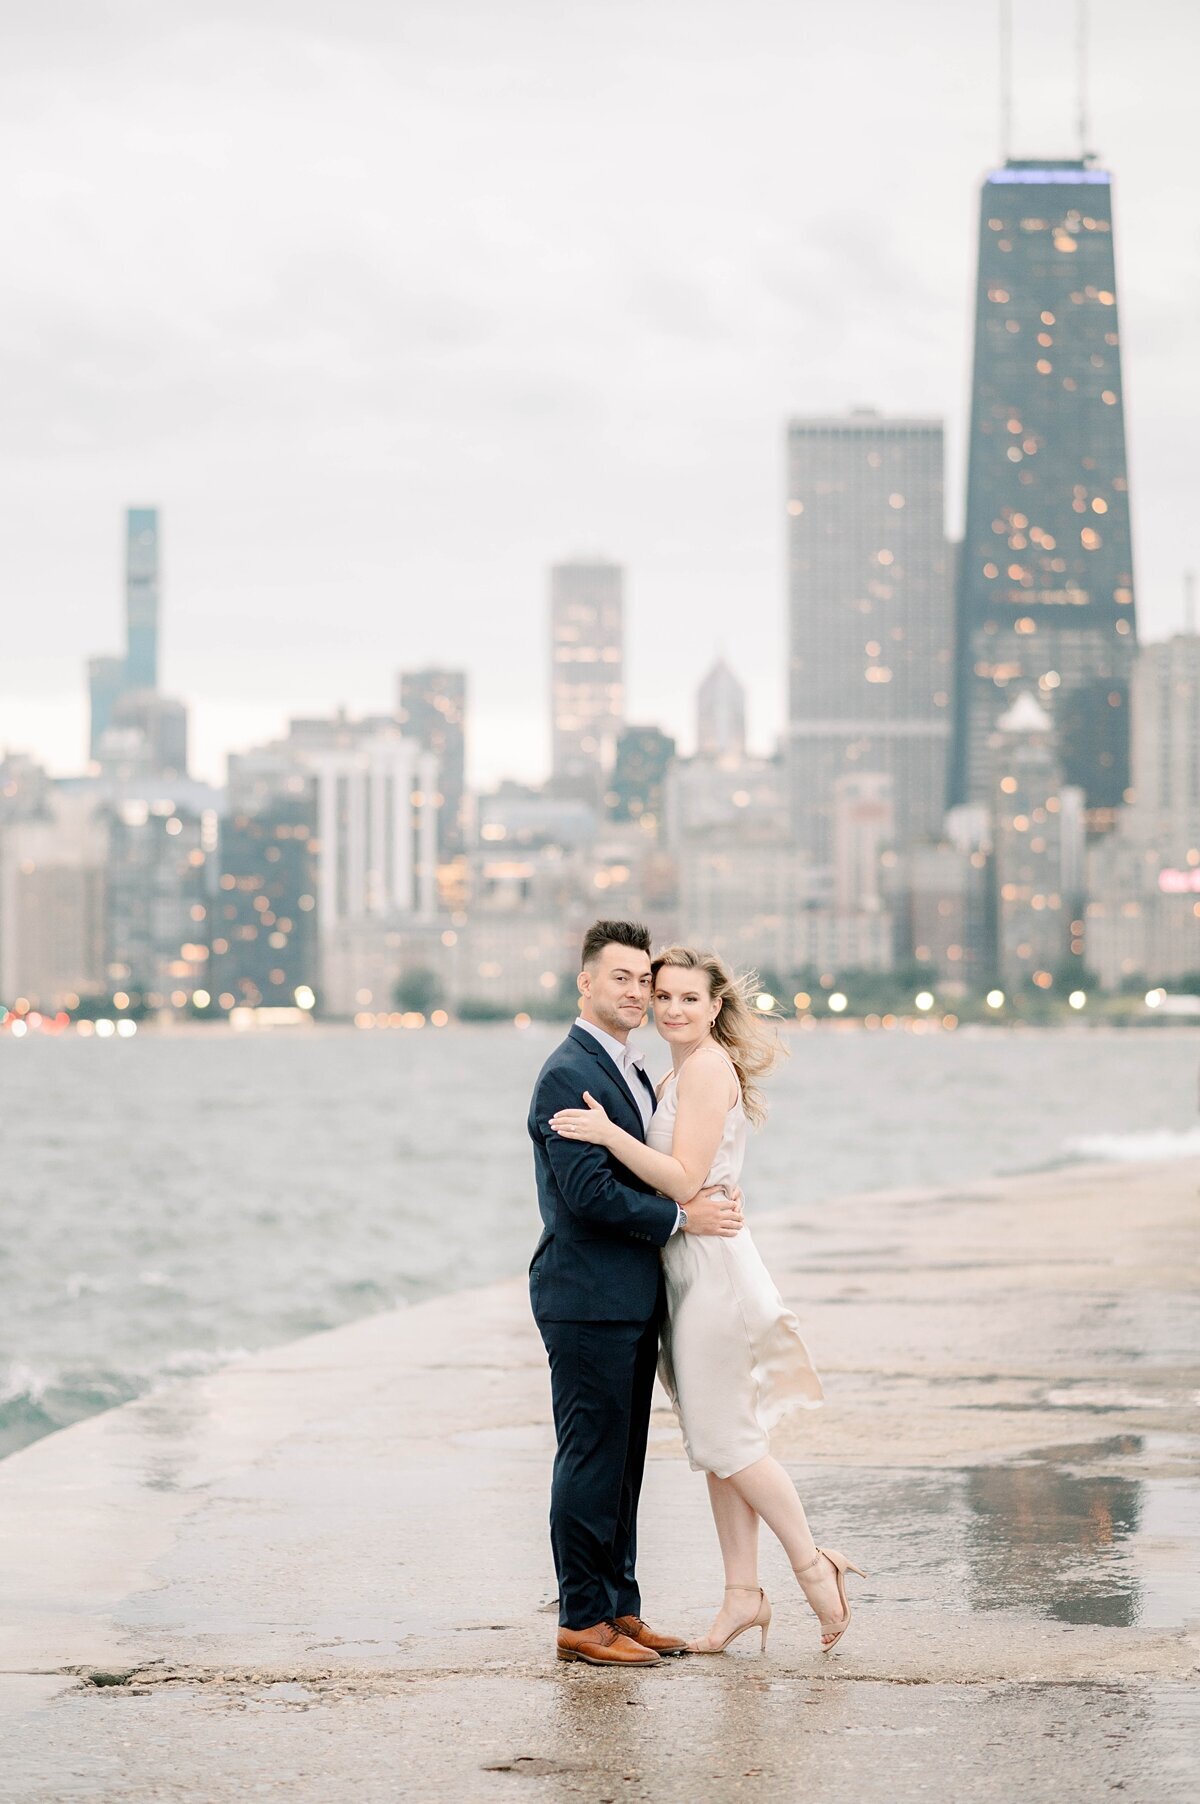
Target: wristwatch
681,1224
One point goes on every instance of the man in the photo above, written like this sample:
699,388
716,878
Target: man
596,1286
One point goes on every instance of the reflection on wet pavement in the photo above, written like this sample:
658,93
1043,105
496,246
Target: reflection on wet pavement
1062,1533
1047,1539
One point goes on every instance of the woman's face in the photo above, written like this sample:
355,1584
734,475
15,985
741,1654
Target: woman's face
684,1010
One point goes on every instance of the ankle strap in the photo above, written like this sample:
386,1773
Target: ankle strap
743,1587
816,1557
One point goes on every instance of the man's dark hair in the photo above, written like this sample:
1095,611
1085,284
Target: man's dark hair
614,933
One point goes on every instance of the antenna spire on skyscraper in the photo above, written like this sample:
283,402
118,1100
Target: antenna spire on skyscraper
1081,55
1005,80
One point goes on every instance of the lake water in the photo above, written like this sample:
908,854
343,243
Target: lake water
173,1199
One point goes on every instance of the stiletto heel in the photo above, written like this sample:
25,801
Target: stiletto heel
841,1566
760,1620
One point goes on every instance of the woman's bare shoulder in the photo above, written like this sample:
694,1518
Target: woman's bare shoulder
711,1069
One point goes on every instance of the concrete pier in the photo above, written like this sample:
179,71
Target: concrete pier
319,1573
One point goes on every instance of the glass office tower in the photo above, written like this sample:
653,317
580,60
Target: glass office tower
1045,590
587,674
431,706
141,598
869,620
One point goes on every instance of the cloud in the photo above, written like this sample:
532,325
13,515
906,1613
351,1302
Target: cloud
390,307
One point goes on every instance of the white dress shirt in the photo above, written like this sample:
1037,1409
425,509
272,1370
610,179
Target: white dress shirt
629,1064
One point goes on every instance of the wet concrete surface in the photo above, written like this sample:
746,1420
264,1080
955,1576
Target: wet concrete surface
317,1574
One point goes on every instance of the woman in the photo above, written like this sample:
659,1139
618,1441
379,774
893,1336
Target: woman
732,1357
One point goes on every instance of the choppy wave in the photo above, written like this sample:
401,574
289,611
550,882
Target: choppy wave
34,1402
21,1381
1137,1148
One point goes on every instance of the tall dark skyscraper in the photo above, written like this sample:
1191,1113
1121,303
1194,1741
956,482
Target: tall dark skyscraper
263,921
431,706
639,772
1045,590
141,598
869,620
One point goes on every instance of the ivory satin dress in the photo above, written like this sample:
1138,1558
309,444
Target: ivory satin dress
732,1359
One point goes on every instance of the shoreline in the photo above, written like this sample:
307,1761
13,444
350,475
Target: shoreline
310,1551
211,1365
1067,1022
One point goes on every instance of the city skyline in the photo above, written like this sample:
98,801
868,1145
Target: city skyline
590,383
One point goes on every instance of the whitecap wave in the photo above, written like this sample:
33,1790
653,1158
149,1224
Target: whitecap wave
1150,1144
22,1381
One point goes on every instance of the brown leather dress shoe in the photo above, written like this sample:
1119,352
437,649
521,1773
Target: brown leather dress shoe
644,1635
603,1645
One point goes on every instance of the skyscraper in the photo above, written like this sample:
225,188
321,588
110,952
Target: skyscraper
376,825
1166,747
639,773
721,714
863,826
264,918
141,598
1143,912
587,677
431,708
1045,592
106,685
156,726
869,619
1035,819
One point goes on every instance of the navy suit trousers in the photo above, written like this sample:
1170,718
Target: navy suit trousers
601,1382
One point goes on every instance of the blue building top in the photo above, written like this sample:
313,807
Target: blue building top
1056,173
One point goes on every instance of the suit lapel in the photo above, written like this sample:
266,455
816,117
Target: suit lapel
613,1071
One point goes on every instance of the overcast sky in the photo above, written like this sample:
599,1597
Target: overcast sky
388,304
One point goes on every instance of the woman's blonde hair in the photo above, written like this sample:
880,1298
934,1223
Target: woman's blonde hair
746,1032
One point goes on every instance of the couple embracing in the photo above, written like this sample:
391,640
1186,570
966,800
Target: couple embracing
645,1264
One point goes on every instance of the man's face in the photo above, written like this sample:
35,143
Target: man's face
615,989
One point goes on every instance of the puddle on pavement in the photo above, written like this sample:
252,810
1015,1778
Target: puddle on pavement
1062,1533
1044,1537
1065,1533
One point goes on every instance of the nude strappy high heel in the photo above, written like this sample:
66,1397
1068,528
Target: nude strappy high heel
760,1620
841,1566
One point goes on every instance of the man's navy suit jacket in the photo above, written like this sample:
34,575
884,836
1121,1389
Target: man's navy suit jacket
602,1227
